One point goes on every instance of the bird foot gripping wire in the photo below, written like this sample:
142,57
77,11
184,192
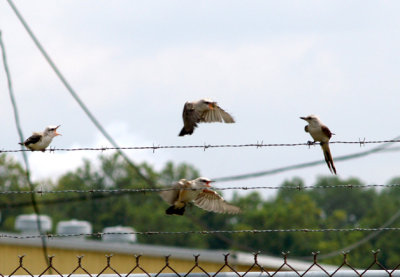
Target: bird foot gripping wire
310,143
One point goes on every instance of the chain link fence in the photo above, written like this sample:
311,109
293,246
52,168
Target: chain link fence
227,269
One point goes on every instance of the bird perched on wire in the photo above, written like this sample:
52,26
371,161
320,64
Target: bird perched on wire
320,132
204,110
198,192
40,140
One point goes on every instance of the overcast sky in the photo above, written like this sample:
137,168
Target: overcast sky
135,63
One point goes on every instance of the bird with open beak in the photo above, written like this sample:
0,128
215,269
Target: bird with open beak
40,140
198,192
320,132
204,110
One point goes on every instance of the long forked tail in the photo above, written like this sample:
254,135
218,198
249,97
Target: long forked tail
328,157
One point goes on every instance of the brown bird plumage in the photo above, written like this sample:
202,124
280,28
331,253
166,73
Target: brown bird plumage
198,192
320,132
39,141
203,110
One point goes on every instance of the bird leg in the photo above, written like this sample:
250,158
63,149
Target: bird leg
309,143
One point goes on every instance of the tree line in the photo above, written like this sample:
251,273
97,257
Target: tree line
314,208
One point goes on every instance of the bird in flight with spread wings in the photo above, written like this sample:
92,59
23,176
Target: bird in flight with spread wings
197,191
203,110
39,141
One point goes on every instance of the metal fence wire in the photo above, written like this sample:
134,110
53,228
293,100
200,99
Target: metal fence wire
227,269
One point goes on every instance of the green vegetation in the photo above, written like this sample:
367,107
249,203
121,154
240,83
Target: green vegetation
290,209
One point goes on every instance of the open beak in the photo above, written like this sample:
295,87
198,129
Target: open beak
55,131
208,183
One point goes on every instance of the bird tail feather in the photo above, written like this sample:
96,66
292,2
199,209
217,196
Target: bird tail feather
175,210
328,157
185,132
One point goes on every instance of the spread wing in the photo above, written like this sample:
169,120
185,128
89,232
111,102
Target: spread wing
33,139
211,201
170,196
216,115
326,131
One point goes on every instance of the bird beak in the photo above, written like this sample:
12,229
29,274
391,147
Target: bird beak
55,131
208,183
211,106
303,118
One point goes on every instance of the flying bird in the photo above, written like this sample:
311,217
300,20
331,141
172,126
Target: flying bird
40,140
320,132
198,192
204,110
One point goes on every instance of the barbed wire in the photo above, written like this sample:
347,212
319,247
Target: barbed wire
146,190
204,146
201,232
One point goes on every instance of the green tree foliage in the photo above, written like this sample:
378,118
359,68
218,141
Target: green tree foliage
331,204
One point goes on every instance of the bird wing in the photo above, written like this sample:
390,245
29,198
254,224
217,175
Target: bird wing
211,201
326,131
170,196
217,114
36,137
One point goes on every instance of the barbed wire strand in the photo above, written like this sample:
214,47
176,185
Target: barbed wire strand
382,147
364,240
21,137
204,147
156,190
201,232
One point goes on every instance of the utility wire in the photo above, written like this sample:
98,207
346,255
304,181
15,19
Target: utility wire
382,147
363,240
93,196
80,102
21,137
202,232
204,147
75,95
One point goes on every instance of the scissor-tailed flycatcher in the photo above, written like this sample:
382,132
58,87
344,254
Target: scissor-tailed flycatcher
321,133
40,140
204,110
198,192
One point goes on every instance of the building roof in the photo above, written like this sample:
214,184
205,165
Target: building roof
215,256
